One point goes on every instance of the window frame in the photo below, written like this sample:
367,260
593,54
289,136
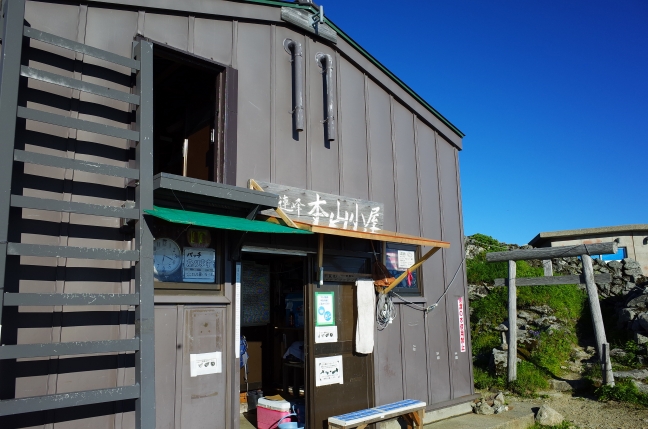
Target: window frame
418,272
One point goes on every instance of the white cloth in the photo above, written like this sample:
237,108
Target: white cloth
366,299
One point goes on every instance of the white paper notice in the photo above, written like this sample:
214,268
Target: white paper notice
326,334
205,363
199,265
405,259
328,370
237,311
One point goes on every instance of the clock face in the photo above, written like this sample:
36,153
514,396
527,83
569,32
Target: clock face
167,256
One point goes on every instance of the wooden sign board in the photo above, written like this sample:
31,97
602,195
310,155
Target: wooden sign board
335,211
333,276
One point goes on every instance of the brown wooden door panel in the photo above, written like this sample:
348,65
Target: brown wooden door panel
356,392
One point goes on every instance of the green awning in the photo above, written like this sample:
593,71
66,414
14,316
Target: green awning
209,220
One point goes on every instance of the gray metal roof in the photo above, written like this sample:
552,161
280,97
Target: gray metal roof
583,232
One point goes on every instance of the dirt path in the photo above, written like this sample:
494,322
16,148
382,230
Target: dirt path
587,413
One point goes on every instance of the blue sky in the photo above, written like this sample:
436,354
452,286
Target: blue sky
552,97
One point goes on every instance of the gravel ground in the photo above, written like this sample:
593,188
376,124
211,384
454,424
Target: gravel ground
587,413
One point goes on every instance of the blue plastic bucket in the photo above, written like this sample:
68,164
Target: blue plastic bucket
288,425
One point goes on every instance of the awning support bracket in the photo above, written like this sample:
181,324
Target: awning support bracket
254,185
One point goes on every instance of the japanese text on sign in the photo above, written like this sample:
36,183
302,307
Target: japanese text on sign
199,265
462,325
324,308
329,210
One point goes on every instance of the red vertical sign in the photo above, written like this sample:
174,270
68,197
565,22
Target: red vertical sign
462,325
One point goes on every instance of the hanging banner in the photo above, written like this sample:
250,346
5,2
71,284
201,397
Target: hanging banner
462,325
324,308
334,211
326,334
328,370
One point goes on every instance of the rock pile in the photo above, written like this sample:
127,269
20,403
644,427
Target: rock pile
495,404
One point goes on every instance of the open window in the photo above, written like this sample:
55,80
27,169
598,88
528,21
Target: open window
193,131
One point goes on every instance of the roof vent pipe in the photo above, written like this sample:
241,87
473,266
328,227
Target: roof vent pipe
326,63
295,49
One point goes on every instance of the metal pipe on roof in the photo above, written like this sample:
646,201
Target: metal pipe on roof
295,49
326,63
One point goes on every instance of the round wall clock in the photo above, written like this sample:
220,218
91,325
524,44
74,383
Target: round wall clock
167,256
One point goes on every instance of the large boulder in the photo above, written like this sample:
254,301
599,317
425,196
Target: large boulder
547,416
642,321
639,301
635,374
626,315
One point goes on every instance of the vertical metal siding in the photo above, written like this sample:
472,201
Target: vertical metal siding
378,154
459,362
290,146
253,152
169,29
405,167
70,276
323,156
212,39
415,376
353,133
388,364
380,144
464,277
433,275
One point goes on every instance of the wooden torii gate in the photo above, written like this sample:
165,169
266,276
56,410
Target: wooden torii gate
546,254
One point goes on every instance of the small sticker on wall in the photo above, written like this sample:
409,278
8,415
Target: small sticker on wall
462,325
205,363
326,334
328,370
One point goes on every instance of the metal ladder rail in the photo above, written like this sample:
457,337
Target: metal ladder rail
143,391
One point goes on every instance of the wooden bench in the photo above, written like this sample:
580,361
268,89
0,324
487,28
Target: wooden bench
411,410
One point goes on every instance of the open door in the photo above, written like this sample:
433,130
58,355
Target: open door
356,389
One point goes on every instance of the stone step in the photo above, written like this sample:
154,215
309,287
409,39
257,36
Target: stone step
520,417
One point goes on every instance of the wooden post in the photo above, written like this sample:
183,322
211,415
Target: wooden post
512,317
548,267
597,320
606,368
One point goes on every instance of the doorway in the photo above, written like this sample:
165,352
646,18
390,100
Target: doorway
273,326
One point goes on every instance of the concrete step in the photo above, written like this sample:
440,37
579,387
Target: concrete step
520,417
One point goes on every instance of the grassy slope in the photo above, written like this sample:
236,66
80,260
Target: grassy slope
550,351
